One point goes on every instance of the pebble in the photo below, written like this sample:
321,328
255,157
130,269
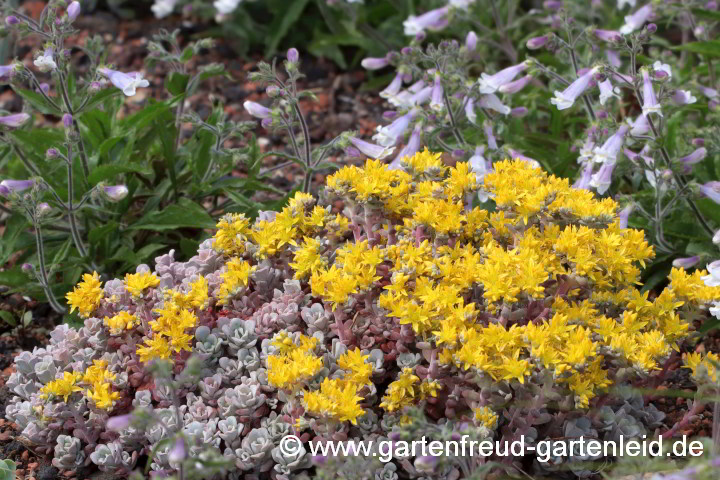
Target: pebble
25,455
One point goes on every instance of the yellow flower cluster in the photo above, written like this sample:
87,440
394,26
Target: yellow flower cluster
704,367
407,390
87,295
486,417
294,363
120,322
97,377
137,283
235,278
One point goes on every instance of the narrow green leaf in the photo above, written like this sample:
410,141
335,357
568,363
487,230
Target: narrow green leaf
184,214
8,318
106,172
710,48
282,24
36,100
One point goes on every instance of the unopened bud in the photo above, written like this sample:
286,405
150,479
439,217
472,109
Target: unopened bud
116,192
73,11
11,20
52,153
293,55
43,209
27,267
67,120
651,28
698,142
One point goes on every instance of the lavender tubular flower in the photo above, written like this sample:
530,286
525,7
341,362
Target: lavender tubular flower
6,71
471,41
650,103
637,19
371,150
624,215
696,156
470,110
708,92
116,192
14,120
492,102
257,110
516,85
683,97
388,135
687,262
371,63
639,127
432,20
127,82
538,42
45,62
610,36
491,83
410,149
394,87
583,182
17,185
73,11
606,91
487,128
711,190
609,150
603,178
437,102
565,99
519,112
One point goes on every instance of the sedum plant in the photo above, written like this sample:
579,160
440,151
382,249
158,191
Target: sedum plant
107,190
408,313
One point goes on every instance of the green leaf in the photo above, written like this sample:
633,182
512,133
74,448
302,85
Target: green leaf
706,14
710,48
101,232
106,172
8,318
100,97
184,214
282,24
13,277
176,83
37,101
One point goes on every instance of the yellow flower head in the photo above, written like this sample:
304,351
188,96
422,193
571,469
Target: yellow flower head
86,295
137,283
63,387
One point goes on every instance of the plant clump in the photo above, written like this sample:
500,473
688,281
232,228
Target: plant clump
408,313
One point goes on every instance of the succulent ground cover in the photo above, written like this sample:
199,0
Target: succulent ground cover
408,313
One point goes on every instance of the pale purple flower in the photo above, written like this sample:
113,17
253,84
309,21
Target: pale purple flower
470,110
650,103
565,99
491,83
17,185
127,82
516,85
586,150
698,142
471,41
374,63
610,36
637,19
515,155
257,110
607,153
687,262
659,67
432,20
713,277
293,56
603,178
4,191
43,209
708,92
410,149
45,62
622,78
624,215
492,102
116,192
394,87
118,423
697,156
583,181
613,58
371,150
178,452
639,127
43,88
711,190
479,166
606,91
388,135
553,4
11,20
487,128
14,120
6,71
683,97
437,102
519,112
73,10
538,42
67,120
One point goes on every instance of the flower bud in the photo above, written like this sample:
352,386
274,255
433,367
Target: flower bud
374,63
602,114
698,142
178,452
686,262
27,267
519,112
273,91
406,50
651,28
389,114
67,120
471,41
4,191
43,209
116,192
553,4
11,20
458,153
52,153
266,122
420,36
293,55
95,87
73,11
118,423
537,42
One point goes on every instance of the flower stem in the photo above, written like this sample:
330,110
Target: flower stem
43,272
